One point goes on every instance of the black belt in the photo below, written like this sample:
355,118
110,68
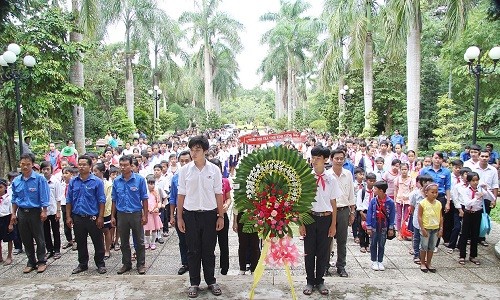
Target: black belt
473,211
201,210
321,214
27,210
342,208
92,217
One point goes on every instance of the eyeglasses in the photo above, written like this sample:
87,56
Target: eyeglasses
151,182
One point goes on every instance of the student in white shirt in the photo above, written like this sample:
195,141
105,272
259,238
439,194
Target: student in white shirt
6,230
200,214
363,198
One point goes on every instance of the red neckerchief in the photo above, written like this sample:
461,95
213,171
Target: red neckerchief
321,180
370,194
473,192
373,163
458,179
380,209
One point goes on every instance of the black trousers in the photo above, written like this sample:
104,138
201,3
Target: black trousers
470,230
67,229
447,220
52,225
201,237
83,227
316,249
364,238
223,240
18,244
248,248
31,228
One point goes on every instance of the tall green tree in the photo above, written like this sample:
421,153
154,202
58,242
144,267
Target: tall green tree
208,26
291,37
138,16
352,21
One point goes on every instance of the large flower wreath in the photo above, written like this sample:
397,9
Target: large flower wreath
276,189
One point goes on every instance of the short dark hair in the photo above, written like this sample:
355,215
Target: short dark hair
185,152
199,140
3,182
320,151
379,159
475,147
465,170
457,163
358,170
439,154
157,166
384,142
126,158
113,169
489,145
424,178
87,158
381,185
337,151
371,176
45,164
216,162
101,167
11,175
395,161
29,156
471,175
485,151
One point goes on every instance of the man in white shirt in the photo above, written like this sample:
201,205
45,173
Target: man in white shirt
474,157
345,207
319,235
200,214
488,174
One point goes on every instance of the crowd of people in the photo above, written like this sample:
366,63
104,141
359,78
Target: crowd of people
374,187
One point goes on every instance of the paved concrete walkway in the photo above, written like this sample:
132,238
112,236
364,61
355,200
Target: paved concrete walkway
401,279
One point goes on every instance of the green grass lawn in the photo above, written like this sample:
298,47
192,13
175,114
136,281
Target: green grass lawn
495,213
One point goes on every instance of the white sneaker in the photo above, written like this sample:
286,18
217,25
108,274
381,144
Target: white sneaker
381,266
375,266
436,249
242,273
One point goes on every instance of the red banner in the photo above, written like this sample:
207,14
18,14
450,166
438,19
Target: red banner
271,138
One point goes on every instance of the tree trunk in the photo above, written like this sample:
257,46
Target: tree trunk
209,105
7,146
368,78
289,93
284,97
341,128
129,88
76,77
277,100
413,56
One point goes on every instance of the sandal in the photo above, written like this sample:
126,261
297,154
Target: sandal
461,261
356,240
475,261
134,256
117,247
308,289
416,261
423,268
193,292
215,288
432,270
411,252
322,289
363,250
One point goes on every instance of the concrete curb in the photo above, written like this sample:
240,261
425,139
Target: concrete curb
497,250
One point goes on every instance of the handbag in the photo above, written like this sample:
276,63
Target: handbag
485,226
405,232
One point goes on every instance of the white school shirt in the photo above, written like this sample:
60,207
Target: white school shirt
323,197
56,195
346,185
379,174
476,203
416,197
471,164
362,204
200,187
5,205
488,175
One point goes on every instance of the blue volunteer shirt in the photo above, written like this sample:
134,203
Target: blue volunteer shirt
442,177
33,192
173,190
85,195
129,194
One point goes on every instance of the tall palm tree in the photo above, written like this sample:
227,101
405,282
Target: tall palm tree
208,26
403,22
87,20
293,35
351,21
138,16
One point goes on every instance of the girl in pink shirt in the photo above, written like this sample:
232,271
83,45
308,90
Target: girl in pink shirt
403,186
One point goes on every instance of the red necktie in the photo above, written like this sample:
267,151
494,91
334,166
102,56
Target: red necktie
373,163
473,192
458,179
321,180
370,195
360,186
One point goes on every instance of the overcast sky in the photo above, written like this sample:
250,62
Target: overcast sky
246,12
